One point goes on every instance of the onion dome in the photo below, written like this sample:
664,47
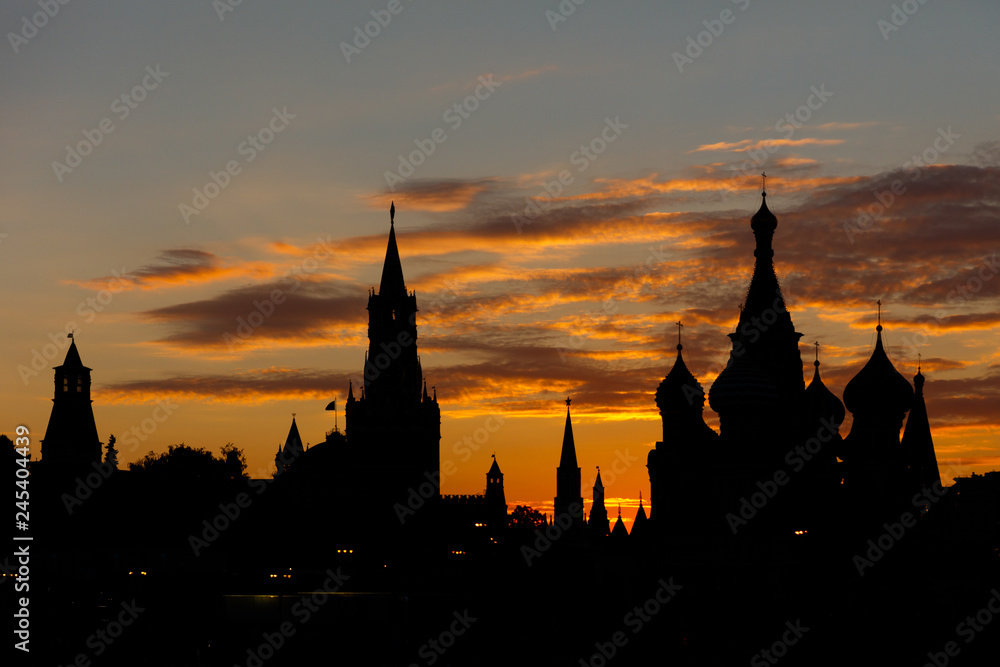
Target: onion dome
680,390
878,387
742,386
763,220
821,403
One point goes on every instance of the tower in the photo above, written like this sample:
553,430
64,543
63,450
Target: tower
688,446
879,398
764,372
568,500
599,524
71,440
394,428
496,502
287,455
918,447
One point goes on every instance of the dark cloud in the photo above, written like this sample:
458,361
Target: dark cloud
284,310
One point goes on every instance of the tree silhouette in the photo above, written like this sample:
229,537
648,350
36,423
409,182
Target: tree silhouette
111,456
525,518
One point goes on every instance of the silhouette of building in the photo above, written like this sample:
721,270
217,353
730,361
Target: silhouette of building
71,442
918,447
687,446
568,500
619,534
467,517
598,522
394,429
292,450
771,424
640,525
496,501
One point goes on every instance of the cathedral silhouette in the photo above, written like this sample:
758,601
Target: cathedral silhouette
757,524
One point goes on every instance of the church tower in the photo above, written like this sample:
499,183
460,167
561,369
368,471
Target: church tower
71,440
568,500
287,455
394,429
687,448
762,385
918,447
879,398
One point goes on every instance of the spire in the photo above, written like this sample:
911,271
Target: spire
73,356
764,291
597,483
392,283
567,459
293,443
619,532
639,524
918,446
494,469
350,390
568,501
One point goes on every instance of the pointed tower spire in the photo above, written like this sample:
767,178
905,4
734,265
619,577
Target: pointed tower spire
619,532
598,512
568,455
568,500
918,446
765,344
71,439
392,284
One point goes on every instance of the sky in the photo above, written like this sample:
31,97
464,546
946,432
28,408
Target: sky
200,191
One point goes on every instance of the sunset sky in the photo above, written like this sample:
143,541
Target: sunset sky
567,186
